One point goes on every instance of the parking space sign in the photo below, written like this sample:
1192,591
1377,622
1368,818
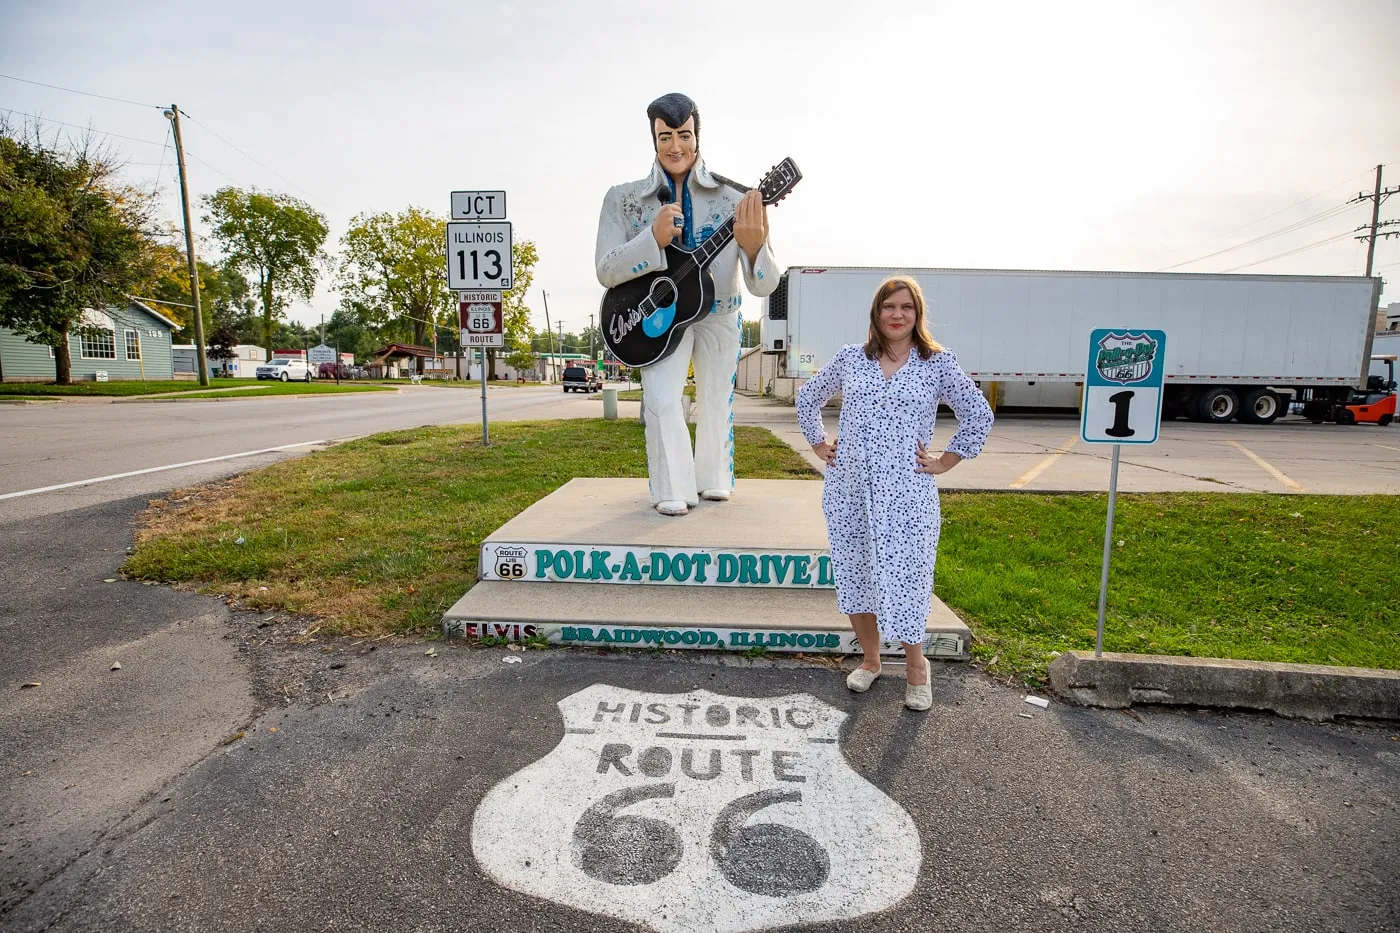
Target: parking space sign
1123,386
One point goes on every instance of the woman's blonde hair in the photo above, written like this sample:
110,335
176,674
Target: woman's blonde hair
875,342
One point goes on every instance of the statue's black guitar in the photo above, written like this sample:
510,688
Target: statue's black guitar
643,318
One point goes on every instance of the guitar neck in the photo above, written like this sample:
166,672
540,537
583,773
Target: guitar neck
716,241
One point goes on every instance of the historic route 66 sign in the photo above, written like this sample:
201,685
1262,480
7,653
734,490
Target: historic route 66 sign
690,812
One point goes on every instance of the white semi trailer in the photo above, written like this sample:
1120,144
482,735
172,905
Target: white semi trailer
1238,346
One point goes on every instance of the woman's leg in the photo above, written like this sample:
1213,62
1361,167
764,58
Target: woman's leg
916,668
868,633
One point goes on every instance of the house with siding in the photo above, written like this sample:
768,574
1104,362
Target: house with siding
127,341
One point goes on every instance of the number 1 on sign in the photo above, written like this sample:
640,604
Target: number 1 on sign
1120,427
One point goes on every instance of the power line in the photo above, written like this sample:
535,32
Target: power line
120,100
1291,228
76,126
249,157
1258,262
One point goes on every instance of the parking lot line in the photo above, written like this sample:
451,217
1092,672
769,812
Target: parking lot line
1386,446
1043,465
1268,467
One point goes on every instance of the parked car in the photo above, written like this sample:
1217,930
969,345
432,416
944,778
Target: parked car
579,379
285,369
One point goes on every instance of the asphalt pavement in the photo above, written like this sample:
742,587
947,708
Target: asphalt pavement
229,776
159,796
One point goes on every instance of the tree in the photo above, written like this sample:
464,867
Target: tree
392,271
516,314
274,237
751,333
224,295
71,238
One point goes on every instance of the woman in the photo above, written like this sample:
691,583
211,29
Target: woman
880,498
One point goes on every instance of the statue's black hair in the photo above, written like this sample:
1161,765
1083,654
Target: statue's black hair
673,110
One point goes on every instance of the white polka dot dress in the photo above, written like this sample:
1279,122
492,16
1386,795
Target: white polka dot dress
882,517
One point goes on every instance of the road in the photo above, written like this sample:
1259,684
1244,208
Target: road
229,777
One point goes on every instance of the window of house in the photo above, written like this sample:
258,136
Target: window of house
99,345
133,345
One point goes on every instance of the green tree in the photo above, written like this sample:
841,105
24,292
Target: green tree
392,272
751,335
514,310
224,295
275,238
71,238
351,333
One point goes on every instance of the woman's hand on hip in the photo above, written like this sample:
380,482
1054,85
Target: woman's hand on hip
826,450
926,462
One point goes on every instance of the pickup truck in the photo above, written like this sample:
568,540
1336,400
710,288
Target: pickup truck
579,379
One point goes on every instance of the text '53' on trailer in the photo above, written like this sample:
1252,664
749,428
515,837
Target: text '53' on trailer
1240,347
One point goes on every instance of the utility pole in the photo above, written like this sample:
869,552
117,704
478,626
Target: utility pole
202,361
549,337
591,356
1379,195
1375,198
560,325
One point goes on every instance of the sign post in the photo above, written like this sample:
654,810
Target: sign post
1122,405
479,264
482,325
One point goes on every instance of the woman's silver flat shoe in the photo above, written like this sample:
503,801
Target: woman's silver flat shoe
860,679
920,696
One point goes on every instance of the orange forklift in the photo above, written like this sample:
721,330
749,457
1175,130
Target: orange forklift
1373,405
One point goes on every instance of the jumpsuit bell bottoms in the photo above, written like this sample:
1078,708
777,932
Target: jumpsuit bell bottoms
882,517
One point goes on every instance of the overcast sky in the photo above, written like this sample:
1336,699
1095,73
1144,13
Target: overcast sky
1071,135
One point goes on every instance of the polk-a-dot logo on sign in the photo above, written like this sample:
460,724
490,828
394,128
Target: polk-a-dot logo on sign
698,812
1126,358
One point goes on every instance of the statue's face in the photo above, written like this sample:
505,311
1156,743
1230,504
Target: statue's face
675,148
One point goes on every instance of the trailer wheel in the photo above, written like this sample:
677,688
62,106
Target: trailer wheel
1261,406
1218,404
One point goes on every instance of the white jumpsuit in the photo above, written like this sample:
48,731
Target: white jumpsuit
882,517
626,249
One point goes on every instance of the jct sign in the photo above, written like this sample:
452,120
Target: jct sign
687,812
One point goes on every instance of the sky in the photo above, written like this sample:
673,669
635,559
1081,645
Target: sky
1196,136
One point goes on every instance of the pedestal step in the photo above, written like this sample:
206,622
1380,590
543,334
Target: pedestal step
643,615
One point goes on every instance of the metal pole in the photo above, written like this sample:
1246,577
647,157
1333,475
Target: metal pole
201,359
1107,546
549,334
485,433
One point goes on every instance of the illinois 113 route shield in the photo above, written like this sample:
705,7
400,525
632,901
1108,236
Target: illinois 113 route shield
698,812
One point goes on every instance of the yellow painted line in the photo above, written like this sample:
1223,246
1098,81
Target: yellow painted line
1386,446
1043,465
1268,467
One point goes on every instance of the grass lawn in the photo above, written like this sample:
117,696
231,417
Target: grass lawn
291,388
1252,577
382,534
150,387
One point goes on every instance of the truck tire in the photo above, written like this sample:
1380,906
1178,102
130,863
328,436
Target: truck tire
1261,406
1217,404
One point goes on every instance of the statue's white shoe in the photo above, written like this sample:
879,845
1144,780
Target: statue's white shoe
672,507
715,495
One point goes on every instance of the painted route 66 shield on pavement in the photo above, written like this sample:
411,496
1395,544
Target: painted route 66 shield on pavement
698,812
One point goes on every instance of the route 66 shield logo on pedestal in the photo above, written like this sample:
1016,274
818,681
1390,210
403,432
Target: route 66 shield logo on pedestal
690,812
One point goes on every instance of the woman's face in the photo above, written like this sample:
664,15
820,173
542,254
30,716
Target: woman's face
897,315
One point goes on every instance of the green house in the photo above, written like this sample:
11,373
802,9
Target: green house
128,341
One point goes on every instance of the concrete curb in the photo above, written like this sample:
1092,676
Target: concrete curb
1303,691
